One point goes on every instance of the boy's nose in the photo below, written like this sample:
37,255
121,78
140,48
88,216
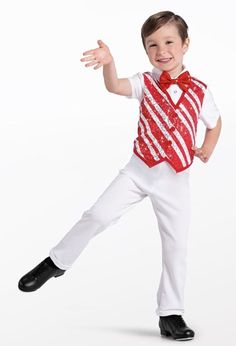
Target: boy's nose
161,51
161,54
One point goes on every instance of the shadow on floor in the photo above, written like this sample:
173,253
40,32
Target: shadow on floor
135,331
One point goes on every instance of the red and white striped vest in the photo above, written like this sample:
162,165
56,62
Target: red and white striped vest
167,131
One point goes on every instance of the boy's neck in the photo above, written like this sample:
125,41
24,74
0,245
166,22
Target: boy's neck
158,72
176,74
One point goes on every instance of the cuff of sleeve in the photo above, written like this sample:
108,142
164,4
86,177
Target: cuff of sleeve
132,88
212,124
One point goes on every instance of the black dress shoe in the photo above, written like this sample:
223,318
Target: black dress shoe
175,327
39,275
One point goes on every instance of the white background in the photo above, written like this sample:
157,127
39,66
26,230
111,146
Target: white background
63,139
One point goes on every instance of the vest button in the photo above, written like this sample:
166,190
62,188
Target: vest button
169,143
172,128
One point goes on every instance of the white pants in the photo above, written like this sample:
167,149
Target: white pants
169,194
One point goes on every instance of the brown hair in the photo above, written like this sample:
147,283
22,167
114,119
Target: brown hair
157,20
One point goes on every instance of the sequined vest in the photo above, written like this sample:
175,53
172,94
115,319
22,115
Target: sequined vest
167,131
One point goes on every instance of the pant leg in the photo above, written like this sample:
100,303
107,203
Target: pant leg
171,204
119,197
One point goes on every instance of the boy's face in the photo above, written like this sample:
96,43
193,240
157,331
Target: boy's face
165,49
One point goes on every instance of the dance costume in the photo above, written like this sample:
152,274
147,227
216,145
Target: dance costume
159,169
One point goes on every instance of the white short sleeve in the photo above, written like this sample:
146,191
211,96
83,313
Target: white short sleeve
137,85
209,113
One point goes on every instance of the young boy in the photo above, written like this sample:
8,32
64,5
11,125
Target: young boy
171,102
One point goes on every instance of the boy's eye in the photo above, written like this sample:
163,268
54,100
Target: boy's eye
169,42
152,45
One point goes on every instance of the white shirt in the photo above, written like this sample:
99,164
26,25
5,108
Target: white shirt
209,113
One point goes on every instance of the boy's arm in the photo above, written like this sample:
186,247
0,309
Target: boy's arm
101,56
209,143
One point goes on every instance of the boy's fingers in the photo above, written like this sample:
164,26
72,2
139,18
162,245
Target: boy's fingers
90,63
88,58
101,43
89,52
200,154
203,158
198,151
97,66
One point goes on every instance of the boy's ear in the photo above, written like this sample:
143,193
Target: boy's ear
186,44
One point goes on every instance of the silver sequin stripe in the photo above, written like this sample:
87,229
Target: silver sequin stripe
149,132
138,148
188,116
191,92
184,146
166,133
159,109
184,121
192,104
152,151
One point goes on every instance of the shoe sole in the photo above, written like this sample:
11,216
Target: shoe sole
169,336
26,290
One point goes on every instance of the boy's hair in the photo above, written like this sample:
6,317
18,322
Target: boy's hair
157,20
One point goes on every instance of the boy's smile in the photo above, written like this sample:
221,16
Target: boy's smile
165,49
164,60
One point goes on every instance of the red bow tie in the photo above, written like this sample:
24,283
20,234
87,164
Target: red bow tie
183,81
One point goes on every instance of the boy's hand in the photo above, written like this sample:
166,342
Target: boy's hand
99,56
202,153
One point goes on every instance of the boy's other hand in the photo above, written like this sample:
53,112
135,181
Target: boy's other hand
202,153
97,57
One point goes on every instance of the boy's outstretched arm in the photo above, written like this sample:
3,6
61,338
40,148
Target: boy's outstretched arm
209,143
101,56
